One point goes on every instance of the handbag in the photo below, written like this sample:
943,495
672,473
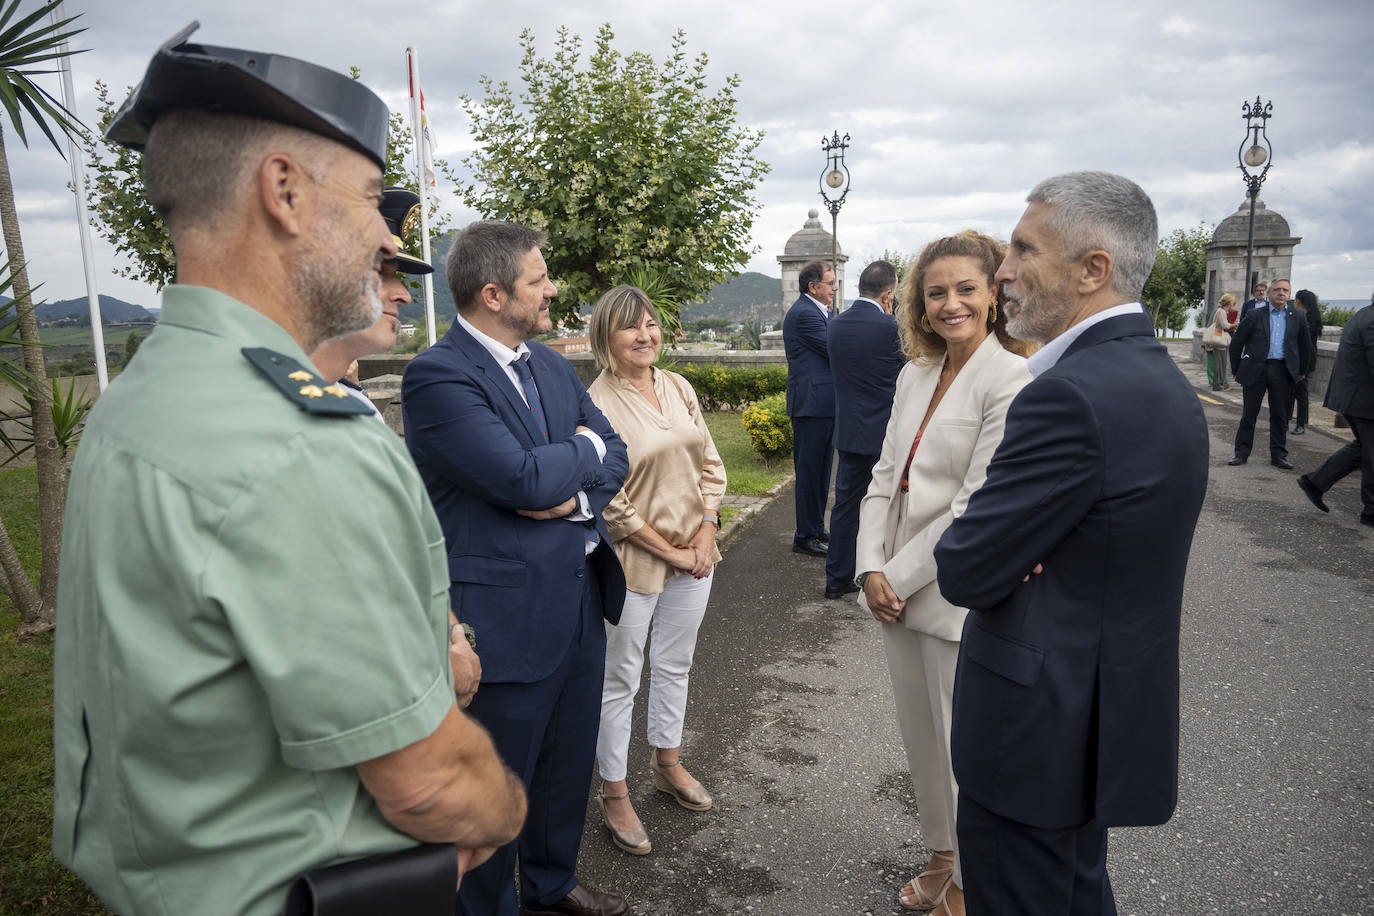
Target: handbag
1215,337
413,882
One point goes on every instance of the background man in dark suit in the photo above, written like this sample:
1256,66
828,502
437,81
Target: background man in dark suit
519,464
1270,351
1351,393
1257,298
810,402
865,358
1066,694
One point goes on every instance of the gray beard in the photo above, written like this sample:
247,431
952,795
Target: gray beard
333,303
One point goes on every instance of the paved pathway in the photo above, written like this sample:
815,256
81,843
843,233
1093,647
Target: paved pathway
791,726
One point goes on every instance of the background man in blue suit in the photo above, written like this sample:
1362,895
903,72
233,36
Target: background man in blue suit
865,359
1066,693
519,464
1258,297
1270,352
810,402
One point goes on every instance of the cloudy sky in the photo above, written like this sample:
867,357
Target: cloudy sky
954,109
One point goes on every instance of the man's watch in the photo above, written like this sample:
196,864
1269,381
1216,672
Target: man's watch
468,633
861,577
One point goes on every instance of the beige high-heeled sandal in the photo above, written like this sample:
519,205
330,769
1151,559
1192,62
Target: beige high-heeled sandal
920,899
694,799
636,841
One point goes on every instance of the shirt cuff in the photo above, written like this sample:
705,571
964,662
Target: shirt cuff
583,512
596,443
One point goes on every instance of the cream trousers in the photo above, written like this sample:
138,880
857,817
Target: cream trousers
675,616
922,669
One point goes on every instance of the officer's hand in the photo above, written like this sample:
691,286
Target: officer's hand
558,511
467,670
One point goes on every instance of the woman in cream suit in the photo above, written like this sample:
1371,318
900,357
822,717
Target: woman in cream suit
947,419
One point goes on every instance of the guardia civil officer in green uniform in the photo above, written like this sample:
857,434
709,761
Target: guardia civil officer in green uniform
240,698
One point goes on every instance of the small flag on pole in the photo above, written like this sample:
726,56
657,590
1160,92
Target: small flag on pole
426,144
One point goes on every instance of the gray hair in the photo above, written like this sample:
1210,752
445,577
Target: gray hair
196,164
1099,210
487,251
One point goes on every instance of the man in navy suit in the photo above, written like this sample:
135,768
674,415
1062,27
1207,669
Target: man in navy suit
1270,352
1257,298
1071,559
1351,394
810,402
865,359
519,464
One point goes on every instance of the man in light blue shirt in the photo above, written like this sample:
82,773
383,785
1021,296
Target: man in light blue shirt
1270,352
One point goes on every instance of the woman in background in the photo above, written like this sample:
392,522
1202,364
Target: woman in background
663,523
1217,339
947,418
1305,301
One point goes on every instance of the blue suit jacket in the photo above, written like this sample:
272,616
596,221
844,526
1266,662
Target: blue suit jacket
1250,345
517,581
1066,692
810,391
865,360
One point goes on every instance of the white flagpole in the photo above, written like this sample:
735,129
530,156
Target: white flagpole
83,224
418,128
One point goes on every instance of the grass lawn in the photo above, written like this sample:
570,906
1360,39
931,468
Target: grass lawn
746,473
30,879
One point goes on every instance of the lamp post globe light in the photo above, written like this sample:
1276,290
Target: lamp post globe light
1255,151
834,184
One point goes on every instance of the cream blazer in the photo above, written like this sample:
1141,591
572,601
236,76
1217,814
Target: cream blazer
950,465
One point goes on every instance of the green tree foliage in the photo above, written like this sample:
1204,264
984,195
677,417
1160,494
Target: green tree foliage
626,164
130,346
122,215
770,429
1178,281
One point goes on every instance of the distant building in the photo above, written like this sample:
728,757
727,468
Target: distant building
408,330
1273,253
809,243
566,345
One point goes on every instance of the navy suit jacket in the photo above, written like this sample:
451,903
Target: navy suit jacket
1066,692
1351,390
517,581
865,360
1249,306
810,390
1250,345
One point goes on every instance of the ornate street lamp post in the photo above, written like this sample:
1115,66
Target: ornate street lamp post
834,180
1255,151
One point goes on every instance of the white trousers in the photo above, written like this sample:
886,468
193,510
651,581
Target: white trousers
922,669
675,615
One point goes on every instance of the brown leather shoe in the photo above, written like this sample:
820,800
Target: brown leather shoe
583,901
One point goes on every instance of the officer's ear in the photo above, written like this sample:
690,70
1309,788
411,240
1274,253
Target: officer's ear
284,187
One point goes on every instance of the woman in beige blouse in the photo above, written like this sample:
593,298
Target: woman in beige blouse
948,414
663,523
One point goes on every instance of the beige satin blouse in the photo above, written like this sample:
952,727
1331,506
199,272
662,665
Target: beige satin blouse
676,475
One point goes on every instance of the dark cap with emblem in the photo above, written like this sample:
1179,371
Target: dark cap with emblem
183,75
401,208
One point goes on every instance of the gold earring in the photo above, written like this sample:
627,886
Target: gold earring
925,324
993,313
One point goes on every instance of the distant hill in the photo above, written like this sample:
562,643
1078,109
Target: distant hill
111,309
750,295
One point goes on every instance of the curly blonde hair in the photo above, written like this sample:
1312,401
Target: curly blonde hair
920,345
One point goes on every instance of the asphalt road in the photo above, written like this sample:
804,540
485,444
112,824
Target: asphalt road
790,725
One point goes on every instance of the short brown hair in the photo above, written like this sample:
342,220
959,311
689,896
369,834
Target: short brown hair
920,345
618,308
487,251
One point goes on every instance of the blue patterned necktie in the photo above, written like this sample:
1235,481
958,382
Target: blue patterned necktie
521,364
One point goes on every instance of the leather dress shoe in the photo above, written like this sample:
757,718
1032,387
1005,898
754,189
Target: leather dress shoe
1310,489
832,593
813,546
1282,463
583,901
1299,430
1236,461
824,537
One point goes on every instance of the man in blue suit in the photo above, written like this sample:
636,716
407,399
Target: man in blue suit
1271,351
519,464
810,402
865,358
1071,559
1258,298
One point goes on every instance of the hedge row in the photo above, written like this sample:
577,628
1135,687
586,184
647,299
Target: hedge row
721,388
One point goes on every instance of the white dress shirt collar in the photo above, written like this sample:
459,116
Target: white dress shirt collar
876,305
824,311
1043,360
499,351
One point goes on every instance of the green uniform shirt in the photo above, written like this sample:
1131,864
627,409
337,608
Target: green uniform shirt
253,599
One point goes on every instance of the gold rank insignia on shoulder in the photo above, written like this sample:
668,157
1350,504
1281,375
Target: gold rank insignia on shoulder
286,374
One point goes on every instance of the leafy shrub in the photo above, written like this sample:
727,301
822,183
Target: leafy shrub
770,429
722,388
1337,316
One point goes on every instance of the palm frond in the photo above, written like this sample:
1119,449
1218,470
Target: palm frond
23,45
